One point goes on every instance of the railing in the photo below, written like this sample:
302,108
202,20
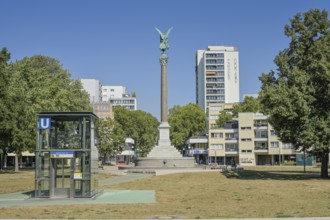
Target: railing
231,138
260,124
261,148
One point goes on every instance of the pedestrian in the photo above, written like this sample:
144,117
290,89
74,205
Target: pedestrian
233,163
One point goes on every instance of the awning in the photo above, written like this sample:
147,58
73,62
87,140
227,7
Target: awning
127,152
24,154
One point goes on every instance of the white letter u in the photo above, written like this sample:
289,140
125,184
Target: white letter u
44,123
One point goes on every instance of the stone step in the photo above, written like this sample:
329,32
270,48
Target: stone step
164,151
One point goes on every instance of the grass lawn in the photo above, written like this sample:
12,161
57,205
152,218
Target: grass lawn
256,192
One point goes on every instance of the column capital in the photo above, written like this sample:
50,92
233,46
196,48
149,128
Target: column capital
163,59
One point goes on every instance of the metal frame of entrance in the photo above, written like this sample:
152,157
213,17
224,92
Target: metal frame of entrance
66,155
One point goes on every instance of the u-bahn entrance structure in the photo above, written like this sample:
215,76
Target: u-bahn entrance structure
66,155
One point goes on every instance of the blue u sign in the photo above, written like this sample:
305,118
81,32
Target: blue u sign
44,123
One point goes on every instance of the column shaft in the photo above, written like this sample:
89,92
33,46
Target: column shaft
164,105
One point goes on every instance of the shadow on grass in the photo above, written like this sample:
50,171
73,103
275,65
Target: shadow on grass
272,175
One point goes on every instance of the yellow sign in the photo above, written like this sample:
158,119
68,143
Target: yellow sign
77,175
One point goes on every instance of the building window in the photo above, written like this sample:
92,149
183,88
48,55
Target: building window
260,134
231,136
215,108
246,128
214,55
272,133
260,123
246,139
287,146
274,144
216,146
231,147
214,117
261,145
214,97
217,135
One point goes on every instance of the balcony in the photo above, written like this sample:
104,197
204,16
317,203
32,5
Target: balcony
231,140
260,125
262,138
261,149
231,150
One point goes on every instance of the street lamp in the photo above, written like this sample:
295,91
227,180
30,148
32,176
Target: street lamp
129,142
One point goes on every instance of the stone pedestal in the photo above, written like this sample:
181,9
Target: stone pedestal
165,155
164,148
164,134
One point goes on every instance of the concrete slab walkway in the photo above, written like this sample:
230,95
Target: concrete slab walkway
107,197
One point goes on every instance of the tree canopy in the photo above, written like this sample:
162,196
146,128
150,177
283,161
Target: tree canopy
110,136
223,117
139,125
4,102
36,84
250,104
185,121
297,95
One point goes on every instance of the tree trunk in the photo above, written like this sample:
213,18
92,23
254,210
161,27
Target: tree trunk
16,163
325,163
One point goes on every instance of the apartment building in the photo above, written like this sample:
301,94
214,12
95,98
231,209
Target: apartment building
258,143
103,110
117,95
109,92
249,139
217,76
93,88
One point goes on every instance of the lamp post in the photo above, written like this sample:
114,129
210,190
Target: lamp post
133,154
215,156
115,157
129,143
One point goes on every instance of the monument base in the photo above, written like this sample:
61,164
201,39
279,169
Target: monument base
165,163
165,155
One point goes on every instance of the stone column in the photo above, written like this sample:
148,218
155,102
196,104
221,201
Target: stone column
164,106
164,127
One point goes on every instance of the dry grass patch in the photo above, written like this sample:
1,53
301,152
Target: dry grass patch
256,192
11,181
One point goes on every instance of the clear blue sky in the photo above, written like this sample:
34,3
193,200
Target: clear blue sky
116,41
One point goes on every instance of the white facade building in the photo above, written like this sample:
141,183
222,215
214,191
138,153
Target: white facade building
110,92
217,75
93,88
117,95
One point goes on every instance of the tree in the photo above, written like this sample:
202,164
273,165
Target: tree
249,104
38,84
297,96
139,125
185,122
4,79
110,137
223,117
